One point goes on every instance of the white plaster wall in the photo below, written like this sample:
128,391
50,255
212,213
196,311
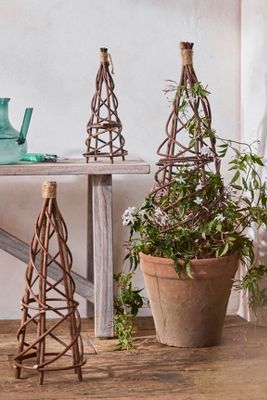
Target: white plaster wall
254,107
254,70
49,57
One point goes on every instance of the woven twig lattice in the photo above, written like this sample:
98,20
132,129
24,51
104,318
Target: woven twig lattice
104,127
202,149
45,298
190,141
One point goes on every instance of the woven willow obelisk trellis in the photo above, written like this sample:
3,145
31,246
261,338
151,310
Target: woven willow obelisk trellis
44,350
190,141
104,126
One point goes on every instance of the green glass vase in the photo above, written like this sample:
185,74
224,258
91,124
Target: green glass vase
13,144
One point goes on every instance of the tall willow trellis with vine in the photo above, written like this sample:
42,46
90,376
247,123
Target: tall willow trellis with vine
189,145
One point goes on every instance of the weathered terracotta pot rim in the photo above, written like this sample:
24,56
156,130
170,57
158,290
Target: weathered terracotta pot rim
169,261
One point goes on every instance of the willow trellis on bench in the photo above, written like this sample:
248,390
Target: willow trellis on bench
104,127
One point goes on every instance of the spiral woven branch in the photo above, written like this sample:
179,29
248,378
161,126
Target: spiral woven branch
45,298
185,147
104,127
171,149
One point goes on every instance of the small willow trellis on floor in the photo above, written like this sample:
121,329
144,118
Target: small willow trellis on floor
104,127
190,142
44,299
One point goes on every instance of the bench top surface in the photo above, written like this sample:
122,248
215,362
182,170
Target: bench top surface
78,167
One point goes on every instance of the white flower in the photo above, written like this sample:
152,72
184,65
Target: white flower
231,192
180,180
127,220
199,186
158,212
161,217
219,218
228,189
129,211
198,200
128,217
205,151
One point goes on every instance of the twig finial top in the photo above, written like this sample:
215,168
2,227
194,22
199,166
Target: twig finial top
104,55
187,53
49,190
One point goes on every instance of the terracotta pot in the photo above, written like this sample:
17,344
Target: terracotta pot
189,312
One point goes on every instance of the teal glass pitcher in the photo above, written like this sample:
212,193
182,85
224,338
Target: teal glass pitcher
13,144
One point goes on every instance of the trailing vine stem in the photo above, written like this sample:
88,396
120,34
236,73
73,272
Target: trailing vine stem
127,303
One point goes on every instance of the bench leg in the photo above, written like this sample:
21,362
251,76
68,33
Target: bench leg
90,238
102,254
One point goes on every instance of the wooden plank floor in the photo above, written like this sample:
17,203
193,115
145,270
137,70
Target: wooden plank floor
235,370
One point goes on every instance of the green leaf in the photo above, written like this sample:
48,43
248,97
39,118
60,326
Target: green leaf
176,266
225,249
236,177
182,105
192,142
219,227
258,160
237,187
245,251
224,149
244,183
188,269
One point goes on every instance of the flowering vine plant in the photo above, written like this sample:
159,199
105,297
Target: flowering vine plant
205,221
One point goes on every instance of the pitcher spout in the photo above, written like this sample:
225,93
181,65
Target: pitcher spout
25,125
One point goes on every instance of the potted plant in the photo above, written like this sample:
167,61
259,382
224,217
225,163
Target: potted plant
191,231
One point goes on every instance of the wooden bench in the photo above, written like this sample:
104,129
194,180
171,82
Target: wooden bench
98,288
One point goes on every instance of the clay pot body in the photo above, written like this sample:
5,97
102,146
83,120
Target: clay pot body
189,312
